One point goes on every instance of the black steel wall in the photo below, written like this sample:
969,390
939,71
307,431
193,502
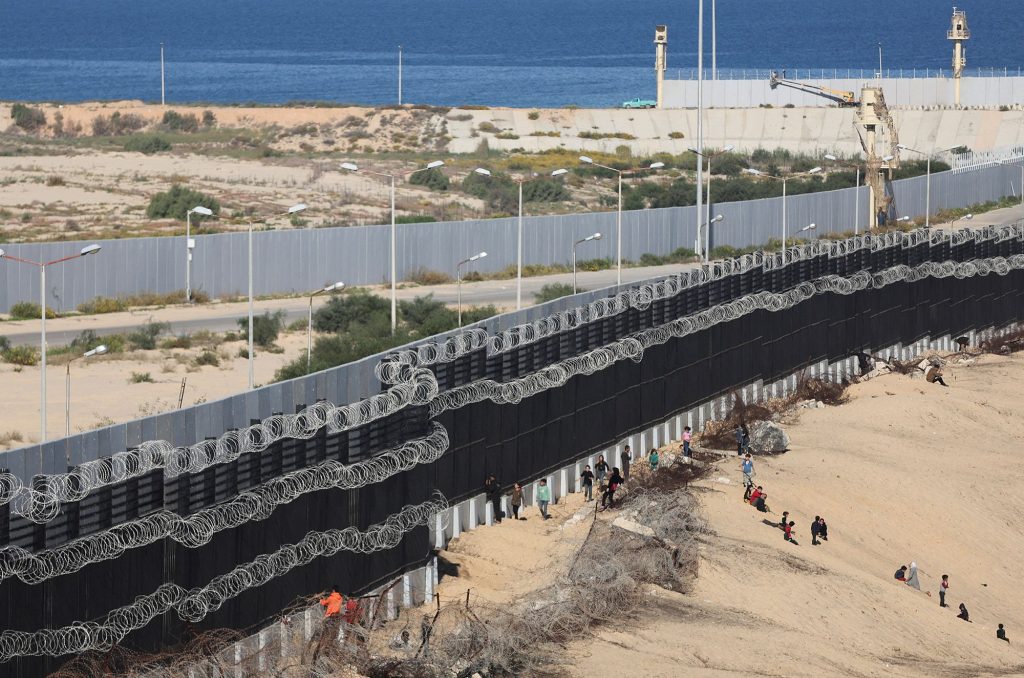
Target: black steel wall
518,442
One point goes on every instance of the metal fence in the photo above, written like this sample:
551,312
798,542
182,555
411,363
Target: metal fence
294,261
848,73
985,92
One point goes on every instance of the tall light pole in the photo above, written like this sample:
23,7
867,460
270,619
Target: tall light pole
927,180
784,178
163,100
700,113
595,236
352,167
294,209
190,245
399,75
99,350
714,43
458,278
41,265
707,218
519,228
618,218
309,325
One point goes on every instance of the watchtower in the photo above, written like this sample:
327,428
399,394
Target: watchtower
958,32
660,58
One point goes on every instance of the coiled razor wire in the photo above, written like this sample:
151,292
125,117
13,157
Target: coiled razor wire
200,527
193,605
632,347
41,505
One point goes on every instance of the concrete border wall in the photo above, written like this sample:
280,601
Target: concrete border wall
975,92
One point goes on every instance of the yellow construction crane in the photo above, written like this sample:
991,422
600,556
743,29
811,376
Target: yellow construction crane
840,96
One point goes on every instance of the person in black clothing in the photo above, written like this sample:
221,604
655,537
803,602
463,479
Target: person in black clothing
493,491
1001,633
815,530
613,484
901,574
963,613
625,458
822,530
784,521
601,468
760,504
587,481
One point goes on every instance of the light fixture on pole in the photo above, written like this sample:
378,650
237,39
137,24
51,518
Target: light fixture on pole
809,227
784,178
99,350
927,181
618,217
903,219
707,216
458,278
519,228
352,167
309,325
294,209
85,251
966,217
595,236
190,245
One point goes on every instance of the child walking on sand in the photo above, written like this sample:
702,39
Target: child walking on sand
543,497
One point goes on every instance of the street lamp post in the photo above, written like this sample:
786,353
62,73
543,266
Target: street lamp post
352,167
927,180
618,219
519,229
99,350
190,245
707,217
784,178
294,209
86,251
595,236
309,325
458,278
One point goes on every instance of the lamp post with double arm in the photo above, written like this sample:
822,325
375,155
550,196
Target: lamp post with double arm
784,178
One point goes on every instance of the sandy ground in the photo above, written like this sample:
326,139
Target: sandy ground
102,391
906,471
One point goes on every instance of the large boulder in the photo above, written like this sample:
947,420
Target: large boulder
767,437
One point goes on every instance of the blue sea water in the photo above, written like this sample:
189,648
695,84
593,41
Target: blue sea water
512,53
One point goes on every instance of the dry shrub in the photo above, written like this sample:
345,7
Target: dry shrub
424,276
828,392
1011,342
719,434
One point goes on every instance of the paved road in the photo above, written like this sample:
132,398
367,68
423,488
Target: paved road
221,317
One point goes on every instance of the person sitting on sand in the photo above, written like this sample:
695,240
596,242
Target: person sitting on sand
901,574
1001,633
823,531
934,375
788,534
760,504
963,613
755,495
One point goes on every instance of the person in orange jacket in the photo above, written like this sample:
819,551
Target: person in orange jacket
332,602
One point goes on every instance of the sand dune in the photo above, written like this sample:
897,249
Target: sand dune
905,471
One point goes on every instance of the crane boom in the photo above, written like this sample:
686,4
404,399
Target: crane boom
840,96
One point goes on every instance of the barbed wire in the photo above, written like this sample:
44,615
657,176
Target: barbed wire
199,528
632,347
193,605
40,505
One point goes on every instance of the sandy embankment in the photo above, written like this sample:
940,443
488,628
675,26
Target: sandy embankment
905,471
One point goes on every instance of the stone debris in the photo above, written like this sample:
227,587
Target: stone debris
767,437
